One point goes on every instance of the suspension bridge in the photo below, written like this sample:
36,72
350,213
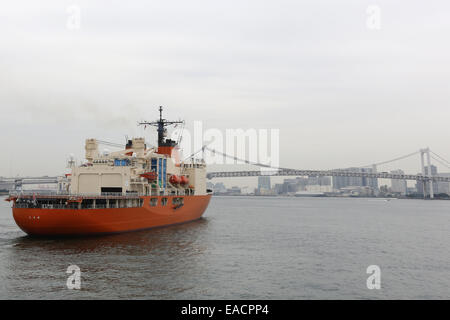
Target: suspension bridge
18,182
426,176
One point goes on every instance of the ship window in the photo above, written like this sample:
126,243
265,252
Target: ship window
153,202
164,201
177,200
111,190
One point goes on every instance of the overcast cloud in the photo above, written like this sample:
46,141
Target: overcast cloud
341,94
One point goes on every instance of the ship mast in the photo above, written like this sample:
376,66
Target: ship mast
161,125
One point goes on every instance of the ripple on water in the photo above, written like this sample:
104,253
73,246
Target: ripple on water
248,248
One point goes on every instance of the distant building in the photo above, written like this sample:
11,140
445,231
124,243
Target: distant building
264,187
319,181
219,188
438,187
358,191
444,187
399,186
6,185
434,170
343,182
278,188
264,183
411,190
319,188
234,191
419,184
290,185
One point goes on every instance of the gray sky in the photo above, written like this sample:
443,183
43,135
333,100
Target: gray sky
341,94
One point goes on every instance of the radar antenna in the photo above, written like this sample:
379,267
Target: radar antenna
161,125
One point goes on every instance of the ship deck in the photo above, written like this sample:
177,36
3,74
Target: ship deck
88,201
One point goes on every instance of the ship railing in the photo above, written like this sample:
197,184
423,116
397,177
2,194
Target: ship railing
41,206
76,195
40,192
63,206
22,205
108,194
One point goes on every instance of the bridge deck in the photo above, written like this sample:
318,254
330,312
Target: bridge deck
324,173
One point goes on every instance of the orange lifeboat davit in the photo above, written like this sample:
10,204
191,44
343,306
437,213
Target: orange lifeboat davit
174,179
150,176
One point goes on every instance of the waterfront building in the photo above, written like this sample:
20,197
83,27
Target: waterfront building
419,184
219,188
399,186
264,183
343,182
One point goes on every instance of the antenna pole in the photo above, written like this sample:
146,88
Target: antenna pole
161,125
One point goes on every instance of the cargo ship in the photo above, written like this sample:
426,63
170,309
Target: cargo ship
132,189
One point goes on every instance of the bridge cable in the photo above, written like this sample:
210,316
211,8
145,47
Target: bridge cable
243,160
281,168
393,160
440,157
205,147
441,162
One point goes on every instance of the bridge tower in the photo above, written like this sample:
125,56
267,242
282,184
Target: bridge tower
429,173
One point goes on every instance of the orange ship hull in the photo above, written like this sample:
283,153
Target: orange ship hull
51,222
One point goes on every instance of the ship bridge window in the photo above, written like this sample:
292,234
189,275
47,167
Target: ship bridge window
100,161
164,201
121,162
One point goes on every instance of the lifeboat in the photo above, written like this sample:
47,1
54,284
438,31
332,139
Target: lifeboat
11,198
174,179
184,180
74,200
150,176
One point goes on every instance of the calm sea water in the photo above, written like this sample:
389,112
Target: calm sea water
246,248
